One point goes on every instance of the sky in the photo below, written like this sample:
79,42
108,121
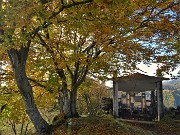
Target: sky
151,70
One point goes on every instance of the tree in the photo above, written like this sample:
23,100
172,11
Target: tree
13,113
85,40
90,95
18,32
80,39
12,110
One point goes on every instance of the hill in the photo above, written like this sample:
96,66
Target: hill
172,93
172,84
107,125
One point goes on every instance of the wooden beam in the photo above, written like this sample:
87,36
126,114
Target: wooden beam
143,102
160,105
153,104
132,99
152,98
115,99
128,99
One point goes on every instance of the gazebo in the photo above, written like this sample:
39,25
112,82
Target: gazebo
125,88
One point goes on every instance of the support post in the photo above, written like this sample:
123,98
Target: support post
152,98
153,105
132,99
128,99
160,105
143,102
115,99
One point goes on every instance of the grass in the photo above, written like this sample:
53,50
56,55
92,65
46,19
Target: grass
107,125
99,125
167,126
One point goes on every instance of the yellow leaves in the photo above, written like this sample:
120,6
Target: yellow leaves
14,109
108,48
45,96
61,63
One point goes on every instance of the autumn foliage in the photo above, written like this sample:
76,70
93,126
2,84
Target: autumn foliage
50,46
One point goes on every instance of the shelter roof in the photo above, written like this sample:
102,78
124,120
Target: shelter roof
138,82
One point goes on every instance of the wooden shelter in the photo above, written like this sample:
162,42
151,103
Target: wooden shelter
132,85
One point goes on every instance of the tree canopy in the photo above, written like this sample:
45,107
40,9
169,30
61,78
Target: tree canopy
55,44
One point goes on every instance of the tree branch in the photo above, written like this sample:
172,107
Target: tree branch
39,84
69,6
59,71
151,18
89,47
46,24
82,76
69,70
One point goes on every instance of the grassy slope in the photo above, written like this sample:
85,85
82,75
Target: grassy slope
105,125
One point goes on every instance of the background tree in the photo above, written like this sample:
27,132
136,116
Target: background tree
90,95
92,40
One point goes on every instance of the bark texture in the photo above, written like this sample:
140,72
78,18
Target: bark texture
18,59
73,98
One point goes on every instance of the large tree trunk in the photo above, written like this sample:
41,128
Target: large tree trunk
69,102
76,82
66,107
73,98
18,59
60,100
